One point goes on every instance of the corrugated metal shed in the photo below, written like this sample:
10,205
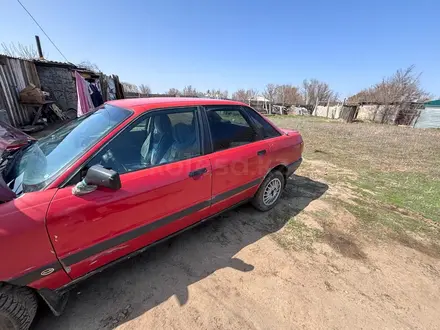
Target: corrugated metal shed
15,75
430,116
67,65
433,103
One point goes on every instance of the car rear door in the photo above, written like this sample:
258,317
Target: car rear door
240,156
155,201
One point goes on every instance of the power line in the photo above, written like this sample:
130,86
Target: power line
43,31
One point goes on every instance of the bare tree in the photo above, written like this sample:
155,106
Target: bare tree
21,51
317,91
240,95
245,96
402,87
217,94
131,88
280,96
191,91
293,95
287,95
252,93
145,89
269,93
174,92
89,65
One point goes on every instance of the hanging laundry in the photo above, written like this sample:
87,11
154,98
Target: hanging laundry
111,89
85,103
95,95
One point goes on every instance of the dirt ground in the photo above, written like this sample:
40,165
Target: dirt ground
310,263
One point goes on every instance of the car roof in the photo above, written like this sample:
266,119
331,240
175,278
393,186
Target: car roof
144,104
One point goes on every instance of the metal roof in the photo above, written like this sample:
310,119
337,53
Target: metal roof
49,63
433,103
428,118
15,58
54,63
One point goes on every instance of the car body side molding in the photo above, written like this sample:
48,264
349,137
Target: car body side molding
72,259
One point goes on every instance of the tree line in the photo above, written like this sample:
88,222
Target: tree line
311,91
401,87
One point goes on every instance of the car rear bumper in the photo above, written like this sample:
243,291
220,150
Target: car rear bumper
291,168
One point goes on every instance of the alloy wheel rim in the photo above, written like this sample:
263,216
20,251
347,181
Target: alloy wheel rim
272,191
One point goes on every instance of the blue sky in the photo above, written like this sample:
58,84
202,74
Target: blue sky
235,44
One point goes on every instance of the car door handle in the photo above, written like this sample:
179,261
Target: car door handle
261,152
198,172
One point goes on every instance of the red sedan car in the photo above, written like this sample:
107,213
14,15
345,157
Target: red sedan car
110,184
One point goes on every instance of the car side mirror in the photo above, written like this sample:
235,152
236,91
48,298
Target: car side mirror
97,176
102,177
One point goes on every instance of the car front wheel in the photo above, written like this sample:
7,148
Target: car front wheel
269,192
18,307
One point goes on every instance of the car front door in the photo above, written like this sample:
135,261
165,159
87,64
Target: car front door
240,156
166,186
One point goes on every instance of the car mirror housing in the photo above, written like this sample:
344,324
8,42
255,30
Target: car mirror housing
97,176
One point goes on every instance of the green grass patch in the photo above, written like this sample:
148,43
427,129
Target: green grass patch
297,235
415,192
385,223
371,216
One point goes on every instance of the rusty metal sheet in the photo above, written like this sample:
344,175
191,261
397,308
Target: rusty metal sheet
16,74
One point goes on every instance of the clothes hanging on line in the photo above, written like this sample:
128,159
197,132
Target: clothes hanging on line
85,103
111,89
95,94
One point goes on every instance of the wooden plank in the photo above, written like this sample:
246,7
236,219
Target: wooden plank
7,95
34,75
12,87
58,111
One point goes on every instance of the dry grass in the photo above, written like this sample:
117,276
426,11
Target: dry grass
390,175
364,146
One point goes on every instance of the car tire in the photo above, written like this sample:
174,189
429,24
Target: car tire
18,306
269,192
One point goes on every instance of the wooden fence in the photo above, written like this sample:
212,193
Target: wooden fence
15,75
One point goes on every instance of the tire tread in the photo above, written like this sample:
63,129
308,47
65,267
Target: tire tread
19,304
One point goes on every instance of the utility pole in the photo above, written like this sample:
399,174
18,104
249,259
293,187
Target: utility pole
40,51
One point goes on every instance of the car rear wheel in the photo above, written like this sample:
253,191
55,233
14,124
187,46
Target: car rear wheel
269,192
18,307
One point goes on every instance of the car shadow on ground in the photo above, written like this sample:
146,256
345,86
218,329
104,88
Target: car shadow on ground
137,285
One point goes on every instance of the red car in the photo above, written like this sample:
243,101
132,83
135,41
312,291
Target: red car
108,185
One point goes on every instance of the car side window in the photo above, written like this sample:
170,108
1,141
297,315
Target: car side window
229,128
159,138
261,124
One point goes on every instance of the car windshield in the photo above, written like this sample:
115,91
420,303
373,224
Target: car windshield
38,164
